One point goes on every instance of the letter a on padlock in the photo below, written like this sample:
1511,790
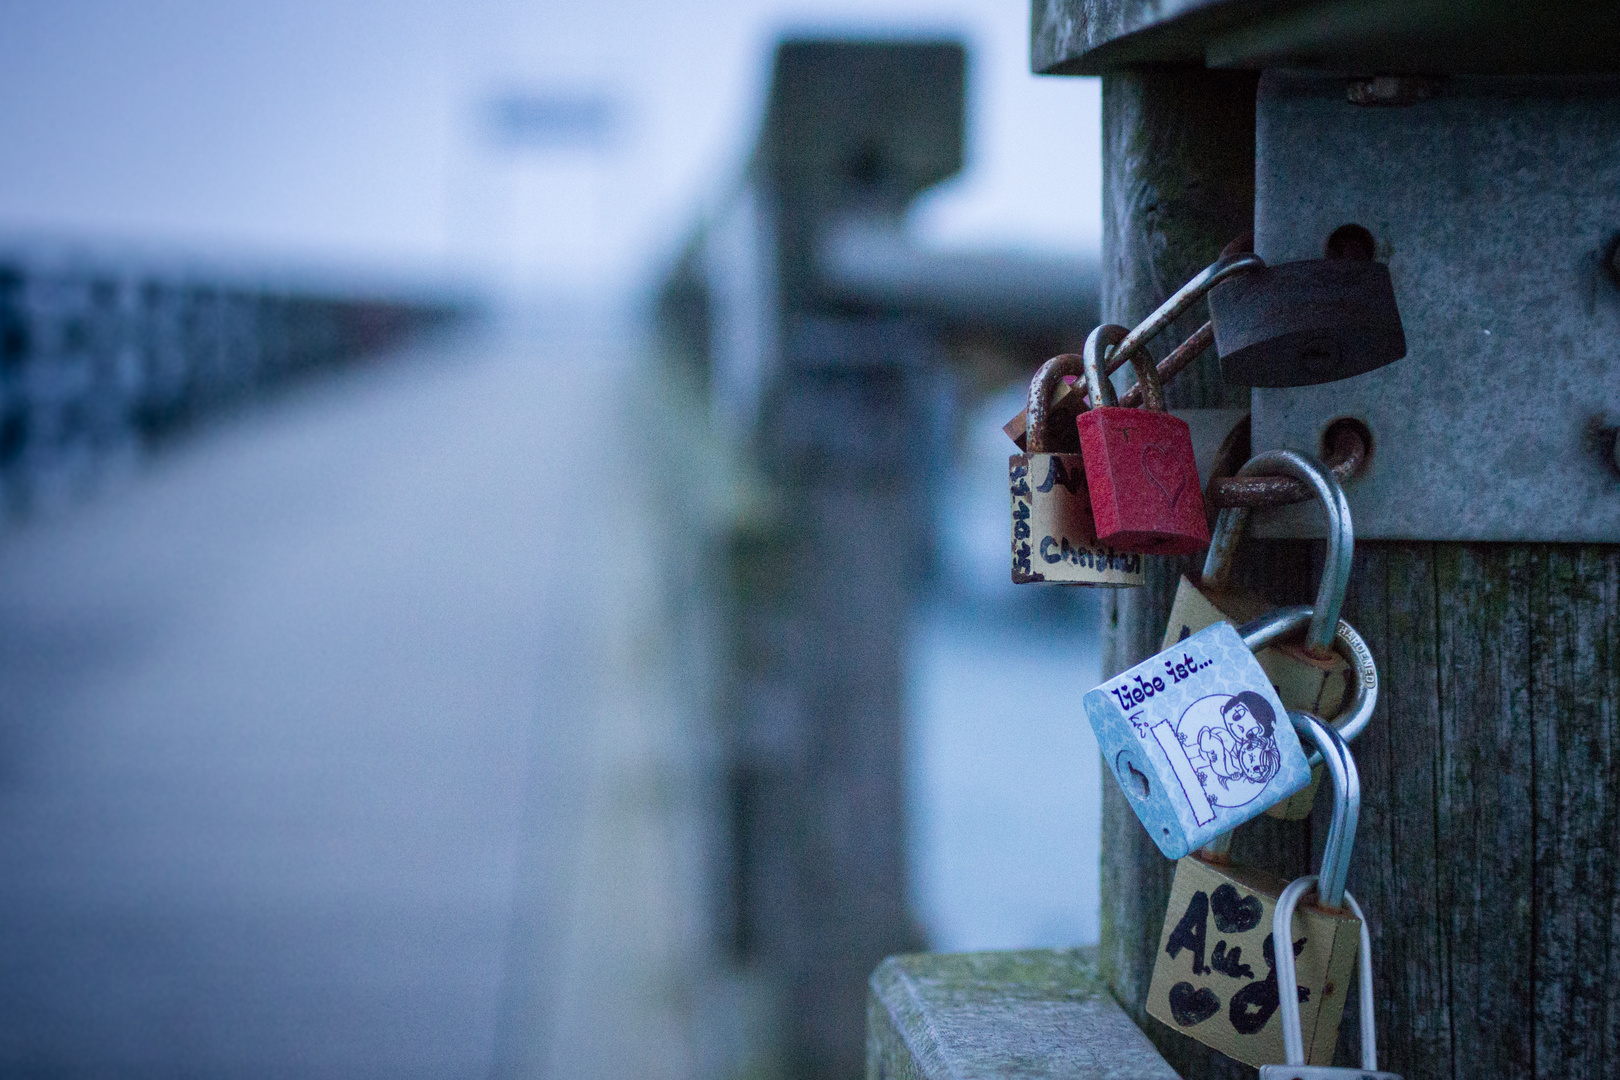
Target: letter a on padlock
1216,974
1053,537
1145,494
1197,739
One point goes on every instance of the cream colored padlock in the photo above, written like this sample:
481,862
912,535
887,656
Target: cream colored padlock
1215,976
1053,536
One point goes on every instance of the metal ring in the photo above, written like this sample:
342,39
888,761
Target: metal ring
1182,299
1273,626
1341,538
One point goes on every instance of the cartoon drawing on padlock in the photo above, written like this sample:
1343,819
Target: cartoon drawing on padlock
1238,746
1194,738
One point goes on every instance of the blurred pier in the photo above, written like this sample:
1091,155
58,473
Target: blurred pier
346,740
593,690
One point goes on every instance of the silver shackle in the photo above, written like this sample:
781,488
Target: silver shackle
1341,538
1282,919
1129,344
1341,838
1331,893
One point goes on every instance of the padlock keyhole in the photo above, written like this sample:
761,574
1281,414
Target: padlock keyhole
1134,780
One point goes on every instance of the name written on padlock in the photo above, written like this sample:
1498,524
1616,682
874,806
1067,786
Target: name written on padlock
1197,739
1215,975
1053,539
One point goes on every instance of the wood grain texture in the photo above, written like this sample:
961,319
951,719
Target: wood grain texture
1392,603
1574,642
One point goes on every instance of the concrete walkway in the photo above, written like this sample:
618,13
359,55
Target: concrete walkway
332,746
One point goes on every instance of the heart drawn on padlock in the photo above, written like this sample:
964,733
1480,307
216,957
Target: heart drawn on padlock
1234,915
1160,465
1192,1006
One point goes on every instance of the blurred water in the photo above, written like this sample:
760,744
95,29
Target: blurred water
1004,778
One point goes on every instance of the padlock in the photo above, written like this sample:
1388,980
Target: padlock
1308,322
1215,975
1294,1067
1145,494
1197,737
1053,537
1311,676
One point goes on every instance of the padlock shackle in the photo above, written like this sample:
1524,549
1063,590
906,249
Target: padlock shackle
1341,537
1135,341
1341,838
1041,388
1273,626
1282,949
1099,389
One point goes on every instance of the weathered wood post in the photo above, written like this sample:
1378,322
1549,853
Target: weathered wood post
1487,575
820,332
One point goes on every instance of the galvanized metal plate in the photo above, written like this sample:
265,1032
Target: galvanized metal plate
1497,207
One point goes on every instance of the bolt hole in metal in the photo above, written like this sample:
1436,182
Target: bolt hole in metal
1351,242
1338,435
1610,258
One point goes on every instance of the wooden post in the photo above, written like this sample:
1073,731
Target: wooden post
1487,853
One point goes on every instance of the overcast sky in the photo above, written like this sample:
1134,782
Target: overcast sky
353,133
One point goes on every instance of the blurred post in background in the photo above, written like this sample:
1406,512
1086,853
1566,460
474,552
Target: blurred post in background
836,351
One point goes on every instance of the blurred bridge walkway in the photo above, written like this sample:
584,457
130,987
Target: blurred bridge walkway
345,740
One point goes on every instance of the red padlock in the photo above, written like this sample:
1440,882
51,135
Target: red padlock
1145,494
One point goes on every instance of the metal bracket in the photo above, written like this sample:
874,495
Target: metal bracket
1497,206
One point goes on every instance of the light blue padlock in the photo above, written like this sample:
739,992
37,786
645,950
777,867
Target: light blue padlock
1198,739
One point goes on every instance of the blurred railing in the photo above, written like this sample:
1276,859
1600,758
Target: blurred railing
832,351
98,360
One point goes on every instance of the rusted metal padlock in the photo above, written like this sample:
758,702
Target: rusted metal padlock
1215,976
1145,494
1312,675
1308,322
1053,537
1294,1067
